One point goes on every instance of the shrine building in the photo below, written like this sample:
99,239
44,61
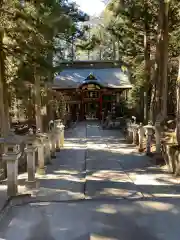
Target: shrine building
90,87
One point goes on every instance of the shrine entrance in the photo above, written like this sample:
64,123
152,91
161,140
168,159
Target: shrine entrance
92,110
91,103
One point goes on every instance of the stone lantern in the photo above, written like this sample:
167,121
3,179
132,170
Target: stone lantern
31,161
57,131
40,137
11,156
149,131
141,133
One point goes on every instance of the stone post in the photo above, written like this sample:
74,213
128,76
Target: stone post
58,134
11,156
53,144
52,139
47,150
31,159
12,172
158,135
129,132
149,131
31,166
40,146
134,132
141,133
62,135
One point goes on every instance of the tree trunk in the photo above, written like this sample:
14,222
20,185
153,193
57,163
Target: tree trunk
147,67
100,53
114,49
178,106
37,88
4,119
156,99
6,106
164,70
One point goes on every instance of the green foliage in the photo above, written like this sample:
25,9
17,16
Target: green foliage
31,32
123,24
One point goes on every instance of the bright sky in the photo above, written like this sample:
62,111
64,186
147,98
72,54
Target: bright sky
91,7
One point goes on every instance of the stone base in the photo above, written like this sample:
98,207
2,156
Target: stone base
31,184
41,171
11,192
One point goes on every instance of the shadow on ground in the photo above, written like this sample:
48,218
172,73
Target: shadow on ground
100,165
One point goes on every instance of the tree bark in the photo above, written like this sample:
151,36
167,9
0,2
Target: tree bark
114,49
147,67
37,88
164,70
178,106
156,98
4,119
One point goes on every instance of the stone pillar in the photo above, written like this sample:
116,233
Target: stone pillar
158,136
134,132
53,144
129,132
57,137
62,135
141,136
40,146
47,149
31,166
149,130
57,133
11,157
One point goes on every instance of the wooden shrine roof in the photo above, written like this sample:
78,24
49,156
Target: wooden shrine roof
109,74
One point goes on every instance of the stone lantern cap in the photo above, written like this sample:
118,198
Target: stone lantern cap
12,142
30,138
40,137
141,129
134,125
149,128
12,138
59,125
57,122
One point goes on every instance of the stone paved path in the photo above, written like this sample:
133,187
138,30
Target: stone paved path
98,164
87,168
116,194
